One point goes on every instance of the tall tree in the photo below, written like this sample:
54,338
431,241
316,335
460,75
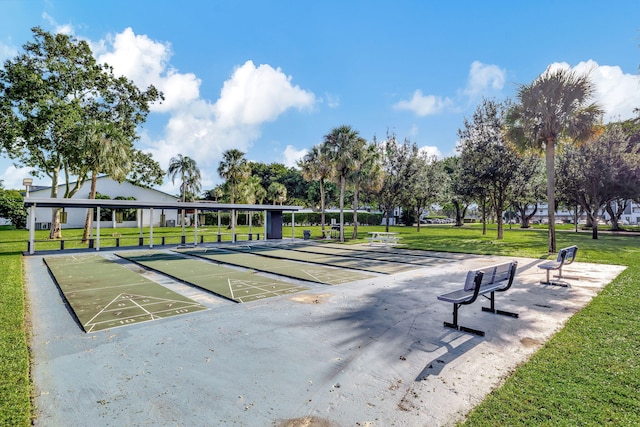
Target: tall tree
49,94
145,171
554,106
366,175
528,187
277,192
455,191
429,185
233,168
398,172
486,152
340,145
107,153
316,166
599,171
187,170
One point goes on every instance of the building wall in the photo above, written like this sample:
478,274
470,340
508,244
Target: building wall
107,186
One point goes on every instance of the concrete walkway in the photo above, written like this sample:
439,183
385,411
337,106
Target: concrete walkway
367,353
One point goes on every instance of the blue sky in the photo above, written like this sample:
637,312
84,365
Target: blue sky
271,78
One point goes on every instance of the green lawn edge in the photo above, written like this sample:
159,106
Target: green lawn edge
15,382
587,374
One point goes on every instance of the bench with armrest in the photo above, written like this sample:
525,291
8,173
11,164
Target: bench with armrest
481,282
565,257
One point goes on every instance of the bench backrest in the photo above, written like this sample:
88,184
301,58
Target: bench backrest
567,254
492,274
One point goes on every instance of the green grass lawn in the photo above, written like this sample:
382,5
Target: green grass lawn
587,374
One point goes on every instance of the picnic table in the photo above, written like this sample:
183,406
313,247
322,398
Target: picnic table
382,237
331,233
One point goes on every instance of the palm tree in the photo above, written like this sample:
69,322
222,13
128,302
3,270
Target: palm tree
234,170
277,192
554,106
367,175
315,166
339,147
187,169
108,152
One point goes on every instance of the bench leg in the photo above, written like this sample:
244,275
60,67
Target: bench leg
492,308
455,325
549,282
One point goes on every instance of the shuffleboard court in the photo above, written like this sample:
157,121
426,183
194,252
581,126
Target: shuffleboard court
372,265
421,260
311,272
410,253
103,294
235,285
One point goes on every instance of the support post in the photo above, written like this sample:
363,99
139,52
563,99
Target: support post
98,228
195,227
150,227
32,226
233,225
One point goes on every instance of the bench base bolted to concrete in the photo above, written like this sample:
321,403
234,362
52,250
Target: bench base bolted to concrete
565,257
484,281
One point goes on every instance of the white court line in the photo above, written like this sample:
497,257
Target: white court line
103,310
231,289
143,309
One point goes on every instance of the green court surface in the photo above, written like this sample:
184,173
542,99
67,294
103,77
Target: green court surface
364,264
296,270
235,285
103,294
370,253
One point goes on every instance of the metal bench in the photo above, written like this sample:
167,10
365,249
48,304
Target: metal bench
484,281
565,257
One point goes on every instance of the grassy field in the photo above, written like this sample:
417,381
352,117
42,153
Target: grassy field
587,374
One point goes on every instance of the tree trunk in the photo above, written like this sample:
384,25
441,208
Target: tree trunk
615,215
459,213
551,185
484,217
322,219
89,219
593,220
499,210
342,187
355,214
56,231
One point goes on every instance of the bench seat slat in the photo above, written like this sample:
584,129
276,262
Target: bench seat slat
461,295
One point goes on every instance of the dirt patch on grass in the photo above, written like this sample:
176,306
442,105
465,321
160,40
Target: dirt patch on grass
530,342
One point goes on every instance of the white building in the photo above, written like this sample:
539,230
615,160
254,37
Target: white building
129,218
631,215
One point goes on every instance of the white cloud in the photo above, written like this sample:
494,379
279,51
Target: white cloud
431,151
12,177
291,156
424,105
58,28
146,62
616,92
200,128
7,52
255,95
333,101
484,79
